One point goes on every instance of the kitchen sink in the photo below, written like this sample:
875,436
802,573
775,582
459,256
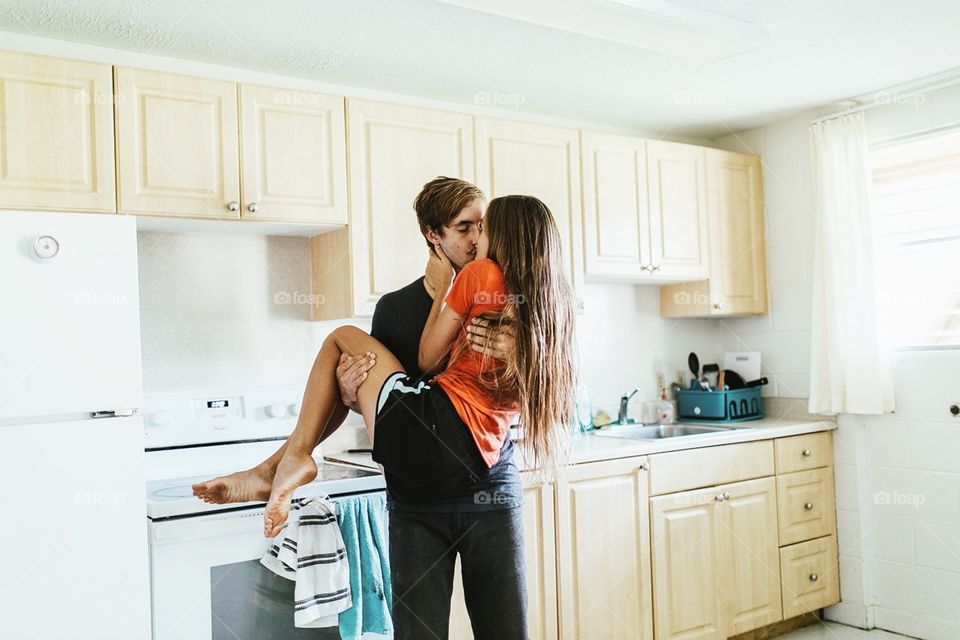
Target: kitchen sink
656,431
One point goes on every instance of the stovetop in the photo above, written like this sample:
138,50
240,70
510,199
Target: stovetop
174,497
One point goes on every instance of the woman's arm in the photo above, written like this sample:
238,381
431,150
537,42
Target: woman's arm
443,323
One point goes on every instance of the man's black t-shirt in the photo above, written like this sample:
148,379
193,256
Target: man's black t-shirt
398,322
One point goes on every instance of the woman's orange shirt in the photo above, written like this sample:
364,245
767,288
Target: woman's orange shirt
478,289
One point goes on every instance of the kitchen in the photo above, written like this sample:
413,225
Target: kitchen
260,190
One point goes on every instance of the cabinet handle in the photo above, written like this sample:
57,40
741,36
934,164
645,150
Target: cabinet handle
645,267
718,306
726,495
645,466
814,577
252,207
233,205
807,453
808,506
719,497
654,267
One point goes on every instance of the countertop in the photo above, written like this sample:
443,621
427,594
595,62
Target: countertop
589,447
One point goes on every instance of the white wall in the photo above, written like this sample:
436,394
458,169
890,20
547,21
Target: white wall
897,476
214,313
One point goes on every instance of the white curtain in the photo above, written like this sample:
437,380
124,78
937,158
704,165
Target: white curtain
849,368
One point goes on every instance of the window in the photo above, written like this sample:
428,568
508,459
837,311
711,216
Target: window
916,209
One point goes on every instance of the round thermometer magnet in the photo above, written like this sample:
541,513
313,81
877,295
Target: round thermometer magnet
46,247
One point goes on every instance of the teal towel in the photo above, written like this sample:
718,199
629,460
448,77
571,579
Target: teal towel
362,520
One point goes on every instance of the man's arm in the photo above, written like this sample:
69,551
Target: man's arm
351,372
501,343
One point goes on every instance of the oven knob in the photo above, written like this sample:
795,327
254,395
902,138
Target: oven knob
277,410
295,409
161,418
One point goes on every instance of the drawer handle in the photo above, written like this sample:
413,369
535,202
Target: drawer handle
807,453
726,495
645,466
808,506
814,577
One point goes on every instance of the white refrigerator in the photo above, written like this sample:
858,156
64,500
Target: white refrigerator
73,542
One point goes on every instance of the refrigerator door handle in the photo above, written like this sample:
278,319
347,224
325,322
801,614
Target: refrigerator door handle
116,413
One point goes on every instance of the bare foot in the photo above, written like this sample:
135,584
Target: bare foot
294,470
252,485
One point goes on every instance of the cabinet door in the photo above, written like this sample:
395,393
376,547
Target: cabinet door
604,551
539,530
541,561
751,554
616,219
177,142
394,151
738,275
294,157
56,134
688,579
678,212
528,159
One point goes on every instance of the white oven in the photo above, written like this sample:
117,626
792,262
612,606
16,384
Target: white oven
206,579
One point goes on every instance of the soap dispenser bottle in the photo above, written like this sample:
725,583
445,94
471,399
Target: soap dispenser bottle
666,408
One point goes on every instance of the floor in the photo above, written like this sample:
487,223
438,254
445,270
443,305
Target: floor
835,631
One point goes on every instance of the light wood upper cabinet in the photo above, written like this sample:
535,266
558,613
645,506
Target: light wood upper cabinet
604,551
178,146
751,555
293,156
644,209
541,564
688,569
56,134
616,216
515,158
737,283
394,151
678,212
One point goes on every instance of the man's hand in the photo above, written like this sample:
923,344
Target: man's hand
501,344
351,372
439,273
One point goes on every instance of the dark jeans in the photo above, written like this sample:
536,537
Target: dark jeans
423,549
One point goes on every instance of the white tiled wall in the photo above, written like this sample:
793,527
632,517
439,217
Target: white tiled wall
897,476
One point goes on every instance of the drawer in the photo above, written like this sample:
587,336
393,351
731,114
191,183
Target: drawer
805,505
695,468
799,453
809,576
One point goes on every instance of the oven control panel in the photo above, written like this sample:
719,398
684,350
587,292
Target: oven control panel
178,419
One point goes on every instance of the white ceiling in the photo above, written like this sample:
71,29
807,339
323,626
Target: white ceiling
819,51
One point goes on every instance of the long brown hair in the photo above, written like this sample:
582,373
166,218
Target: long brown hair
542,374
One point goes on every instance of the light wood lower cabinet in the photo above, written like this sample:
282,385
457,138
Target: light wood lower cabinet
811,577
541,562
806,505
56,134
752,576
604,551
716,569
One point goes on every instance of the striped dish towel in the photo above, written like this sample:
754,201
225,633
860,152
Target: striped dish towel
311,552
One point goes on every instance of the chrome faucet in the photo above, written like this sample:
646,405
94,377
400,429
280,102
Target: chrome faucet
622,417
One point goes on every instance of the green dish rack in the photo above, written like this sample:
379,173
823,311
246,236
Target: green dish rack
718,407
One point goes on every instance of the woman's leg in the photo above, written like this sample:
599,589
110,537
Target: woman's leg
322,412
253,485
